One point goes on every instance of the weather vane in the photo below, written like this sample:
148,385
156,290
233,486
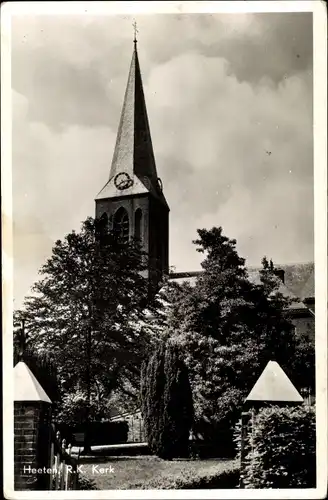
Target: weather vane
135,32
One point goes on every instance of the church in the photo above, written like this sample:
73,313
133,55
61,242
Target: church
133,203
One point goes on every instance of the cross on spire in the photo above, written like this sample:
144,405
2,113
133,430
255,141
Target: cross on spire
135,32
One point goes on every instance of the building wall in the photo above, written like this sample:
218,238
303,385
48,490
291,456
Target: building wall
154,226
131,204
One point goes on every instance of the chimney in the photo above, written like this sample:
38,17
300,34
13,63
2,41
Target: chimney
280,273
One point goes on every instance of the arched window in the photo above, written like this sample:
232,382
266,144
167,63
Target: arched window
101,226
104,221
121,224
137,224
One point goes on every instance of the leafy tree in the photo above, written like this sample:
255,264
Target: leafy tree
166,399
301,369
228,328
88,310
72,411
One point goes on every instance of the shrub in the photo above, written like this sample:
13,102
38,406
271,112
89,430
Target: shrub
281,449
215,477
167,406
101,433
73,409
85,483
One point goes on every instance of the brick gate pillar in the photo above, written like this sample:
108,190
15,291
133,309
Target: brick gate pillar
32,431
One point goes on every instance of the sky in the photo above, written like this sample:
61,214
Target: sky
229,99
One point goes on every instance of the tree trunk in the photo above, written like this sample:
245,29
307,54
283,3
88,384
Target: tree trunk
87,443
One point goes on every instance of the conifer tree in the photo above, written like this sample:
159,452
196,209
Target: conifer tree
166,401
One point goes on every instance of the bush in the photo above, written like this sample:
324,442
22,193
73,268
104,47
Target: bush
281,449
101,433
214,478
74,408
85,483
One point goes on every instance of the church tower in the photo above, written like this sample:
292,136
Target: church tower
133,198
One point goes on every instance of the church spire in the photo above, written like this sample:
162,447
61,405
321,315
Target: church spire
133,169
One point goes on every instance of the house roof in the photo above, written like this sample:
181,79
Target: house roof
133,153
299,281
308,289
274,385
254,276
26,386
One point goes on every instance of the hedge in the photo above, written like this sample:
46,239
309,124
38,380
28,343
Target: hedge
101,433
216,477
281,449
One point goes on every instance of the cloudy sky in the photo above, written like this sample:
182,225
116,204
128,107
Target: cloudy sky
229,101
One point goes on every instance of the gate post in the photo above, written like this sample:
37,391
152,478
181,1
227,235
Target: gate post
32,431
273,387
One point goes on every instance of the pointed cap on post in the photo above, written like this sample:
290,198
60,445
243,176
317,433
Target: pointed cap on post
273,385
26,386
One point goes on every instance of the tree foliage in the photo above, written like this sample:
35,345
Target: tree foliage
74,406
281,449
166,401
228,328
88,311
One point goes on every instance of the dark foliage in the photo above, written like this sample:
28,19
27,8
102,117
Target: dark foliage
88,310
281,449
228,329
166,400
101,433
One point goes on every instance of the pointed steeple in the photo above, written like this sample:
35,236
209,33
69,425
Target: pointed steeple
133,154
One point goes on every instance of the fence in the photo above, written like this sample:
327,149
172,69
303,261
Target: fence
64,467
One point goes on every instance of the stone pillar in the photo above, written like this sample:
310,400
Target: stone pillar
32,432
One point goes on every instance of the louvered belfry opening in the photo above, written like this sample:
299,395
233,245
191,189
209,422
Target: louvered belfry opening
137,224
121,225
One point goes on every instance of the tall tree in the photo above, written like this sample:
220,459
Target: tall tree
88,310
166,400
228,328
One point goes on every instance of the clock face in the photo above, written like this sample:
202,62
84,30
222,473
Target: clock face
123,181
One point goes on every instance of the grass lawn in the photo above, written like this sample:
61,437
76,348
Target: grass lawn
129,471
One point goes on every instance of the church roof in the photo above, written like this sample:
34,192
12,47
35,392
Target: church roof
299,279
274,385
298,282
26,386
133,153
308,289
254,276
